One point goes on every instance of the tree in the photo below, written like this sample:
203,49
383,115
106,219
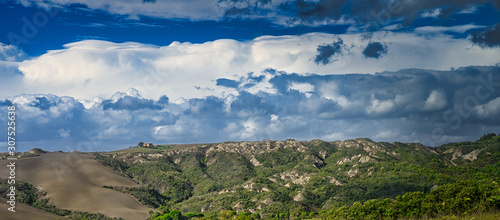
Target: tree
487,136
140,144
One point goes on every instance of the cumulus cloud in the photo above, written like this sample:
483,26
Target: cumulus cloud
11,53
435,101
406,105
490,109
96,68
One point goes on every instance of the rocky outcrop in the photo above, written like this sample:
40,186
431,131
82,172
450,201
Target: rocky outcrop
37,151
457,153
352,173
472,155
295,177
334,181
299,197
254,161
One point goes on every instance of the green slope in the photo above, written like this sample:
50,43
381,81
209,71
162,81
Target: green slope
299,179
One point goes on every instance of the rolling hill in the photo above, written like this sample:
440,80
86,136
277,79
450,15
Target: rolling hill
351,179
74,181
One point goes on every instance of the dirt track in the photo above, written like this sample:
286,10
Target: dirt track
74,181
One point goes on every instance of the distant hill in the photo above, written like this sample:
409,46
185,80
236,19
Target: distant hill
351,179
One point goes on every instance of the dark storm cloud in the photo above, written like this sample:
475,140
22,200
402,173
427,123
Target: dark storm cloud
488,38
326,52
375,50
319,10
377,13
379,10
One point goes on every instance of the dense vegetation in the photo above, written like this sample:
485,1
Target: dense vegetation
353,179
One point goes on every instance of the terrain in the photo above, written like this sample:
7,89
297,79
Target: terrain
351,179
74,181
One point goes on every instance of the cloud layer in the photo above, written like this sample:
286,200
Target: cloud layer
413,105
377,13
95,68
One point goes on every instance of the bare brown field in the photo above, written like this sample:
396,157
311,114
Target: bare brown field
25,212
75,181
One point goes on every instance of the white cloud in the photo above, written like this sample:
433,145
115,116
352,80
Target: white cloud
305,88
11,53
94,68
192,10
380,106
433,13
435,101
441,29
330,90
490,109
64,133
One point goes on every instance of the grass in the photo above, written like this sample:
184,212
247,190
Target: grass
137,150
483,216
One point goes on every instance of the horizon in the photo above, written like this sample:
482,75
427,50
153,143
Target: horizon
199,144
99,75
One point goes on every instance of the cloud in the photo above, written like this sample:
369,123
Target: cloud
64,133
227,83
374,13
374,50
170,9
453,29
380,106
130,103
11,53
435,101
490,109
97,68
406,105
131,100
487,38
325,52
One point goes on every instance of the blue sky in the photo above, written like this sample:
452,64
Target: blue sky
102,75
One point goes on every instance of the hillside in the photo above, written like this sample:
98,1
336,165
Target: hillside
73,181
351,179
291,176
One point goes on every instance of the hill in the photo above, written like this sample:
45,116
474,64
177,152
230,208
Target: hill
74,181
270,177
351,179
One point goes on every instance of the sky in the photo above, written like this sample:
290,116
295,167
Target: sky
104,75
